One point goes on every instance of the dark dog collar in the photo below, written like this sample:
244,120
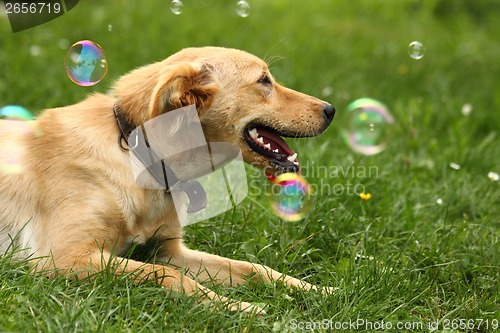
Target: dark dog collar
137,143
124,125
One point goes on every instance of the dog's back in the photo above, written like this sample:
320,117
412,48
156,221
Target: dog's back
16,186
54,162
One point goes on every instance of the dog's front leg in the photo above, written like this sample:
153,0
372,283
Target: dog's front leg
205,266
168,277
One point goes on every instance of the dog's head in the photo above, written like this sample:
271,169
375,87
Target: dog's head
237,99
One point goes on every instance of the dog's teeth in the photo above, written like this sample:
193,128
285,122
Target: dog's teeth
292,158
267,145
295,162
276,151
253,133
260,139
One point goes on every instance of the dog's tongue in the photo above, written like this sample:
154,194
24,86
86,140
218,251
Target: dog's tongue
276,141
270,177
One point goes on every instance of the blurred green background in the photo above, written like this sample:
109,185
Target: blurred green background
442,258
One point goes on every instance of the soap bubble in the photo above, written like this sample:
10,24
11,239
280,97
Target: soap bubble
14,124
327,91
416,50
35,50
15,112
368,128
63,44
243,8
86,63
176,7
292,197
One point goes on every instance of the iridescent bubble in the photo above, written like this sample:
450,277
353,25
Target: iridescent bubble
14,125
416,50
292,197
176,7
368,128
15,112
86,63
243,8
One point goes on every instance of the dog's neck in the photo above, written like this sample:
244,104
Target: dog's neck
159,170
138,144
124,125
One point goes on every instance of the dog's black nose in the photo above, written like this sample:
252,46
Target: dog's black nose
328,112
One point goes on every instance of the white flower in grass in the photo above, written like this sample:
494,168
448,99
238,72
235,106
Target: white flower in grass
493,176
466,109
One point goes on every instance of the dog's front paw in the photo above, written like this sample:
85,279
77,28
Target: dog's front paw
245,307
325,290
329,290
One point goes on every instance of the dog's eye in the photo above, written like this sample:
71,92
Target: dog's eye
264,80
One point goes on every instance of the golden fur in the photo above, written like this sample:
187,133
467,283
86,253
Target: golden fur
76,205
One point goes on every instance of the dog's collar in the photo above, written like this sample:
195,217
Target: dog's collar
124,125
159,170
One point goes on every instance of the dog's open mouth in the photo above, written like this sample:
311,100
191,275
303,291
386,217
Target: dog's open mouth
267,142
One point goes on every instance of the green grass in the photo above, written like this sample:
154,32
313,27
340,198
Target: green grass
397,257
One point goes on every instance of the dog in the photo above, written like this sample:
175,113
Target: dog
76,207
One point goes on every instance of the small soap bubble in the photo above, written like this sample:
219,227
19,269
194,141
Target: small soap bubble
327,91
63,44
454,166
35,50
416,50
369,126
292,197
176,7
15,112
110,28
14,124
243,8
86,63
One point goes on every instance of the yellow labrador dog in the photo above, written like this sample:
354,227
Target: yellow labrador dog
76,206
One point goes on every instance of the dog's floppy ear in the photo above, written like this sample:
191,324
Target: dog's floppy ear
183,85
